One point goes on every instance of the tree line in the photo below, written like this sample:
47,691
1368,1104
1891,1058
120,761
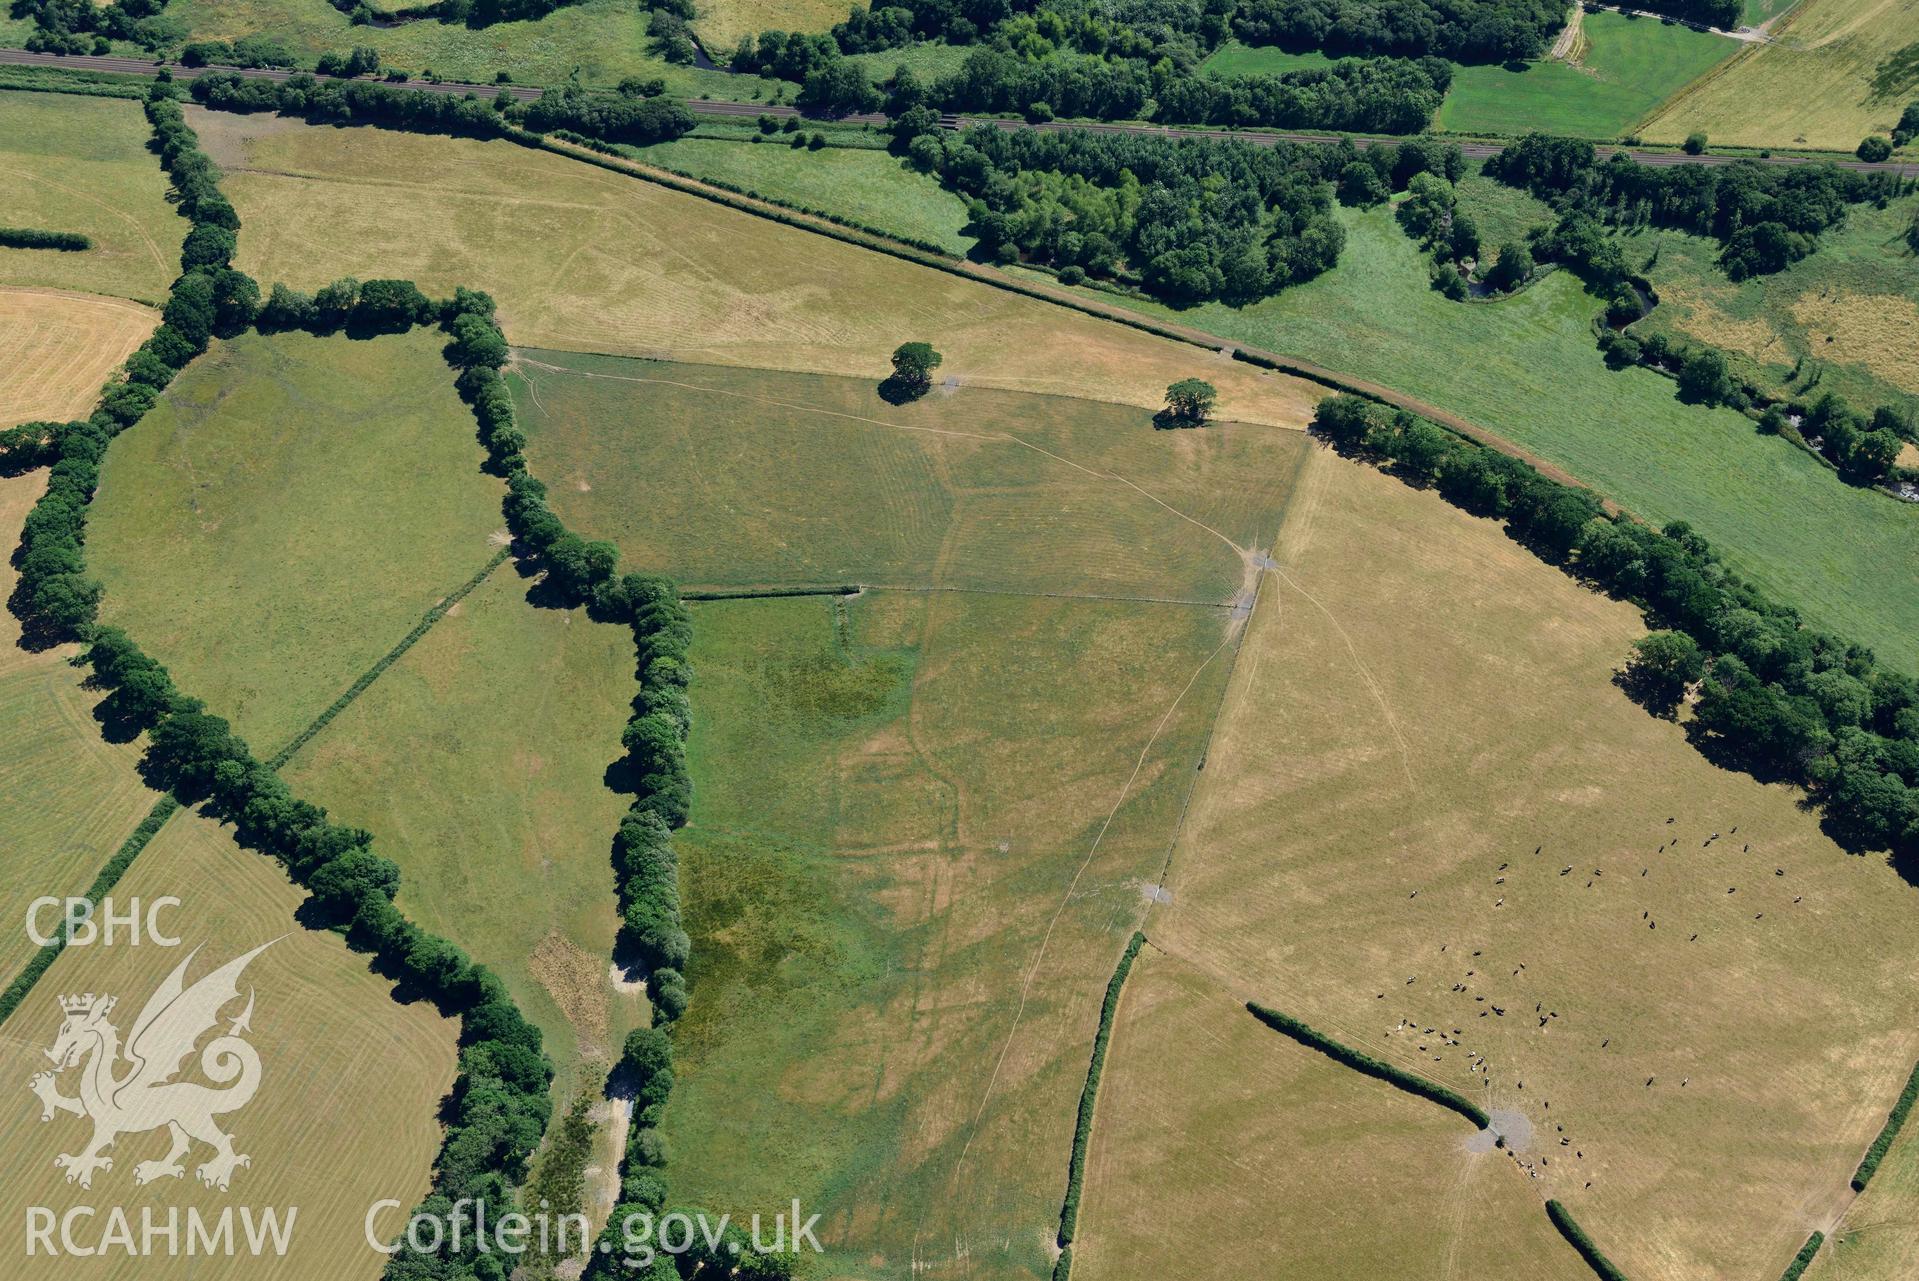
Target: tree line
82,26
1773,696
1122,62
638,117
1765,217
499,1104
1474,31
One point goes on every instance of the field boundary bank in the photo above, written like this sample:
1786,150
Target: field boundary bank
392,656
1088,1104
17,991
1366,1065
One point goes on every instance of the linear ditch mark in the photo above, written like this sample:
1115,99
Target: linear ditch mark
855,589
1088,1103
109,876
387,660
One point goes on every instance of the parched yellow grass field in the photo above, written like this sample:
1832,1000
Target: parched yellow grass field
1217,1137
1838,70
67,799
721,23
1876,330
56,349
70,163
350,1080
585,260
477,761
1424,803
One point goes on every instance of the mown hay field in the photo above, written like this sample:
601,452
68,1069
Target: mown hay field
1836,71
1425,807
350,1083
1216,1135
921,832
1619,71
286,514
747,478
479,761
56,349
1845,319
585,260
1527,368
81,164
70,798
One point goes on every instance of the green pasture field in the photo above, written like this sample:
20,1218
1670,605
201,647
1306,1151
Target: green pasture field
479,761
921,831
70,163
873,188
1235,59
583,259
286,514
1527,368
928,61
603,40
821,482
1503,213
1836,71
1845,319
1430,827
1622,69
1311,1170
350,1081
70,798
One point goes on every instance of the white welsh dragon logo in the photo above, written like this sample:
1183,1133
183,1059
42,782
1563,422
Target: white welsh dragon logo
145,1096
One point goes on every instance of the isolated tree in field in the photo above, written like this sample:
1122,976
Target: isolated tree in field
1662,665
1695,144
913,366
1190,400
1874,149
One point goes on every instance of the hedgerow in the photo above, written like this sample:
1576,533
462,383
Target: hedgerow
1803,1260
1366,1063
1895,1121
1577,1238
499,1105
1089,1093
36,238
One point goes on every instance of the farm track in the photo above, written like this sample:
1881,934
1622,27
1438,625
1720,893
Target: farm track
753,110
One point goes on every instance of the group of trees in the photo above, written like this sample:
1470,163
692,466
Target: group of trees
1462,30
639,116
1185,219
1765,217
499,1105
1772,695
1131,60
83,26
